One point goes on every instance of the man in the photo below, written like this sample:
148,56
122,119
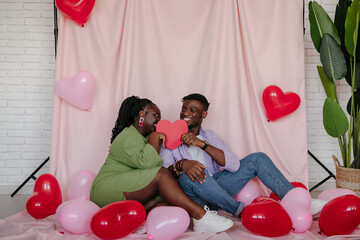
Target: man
208,172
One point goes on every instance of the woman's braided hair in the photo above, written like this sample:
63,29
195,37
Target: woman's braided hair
128,112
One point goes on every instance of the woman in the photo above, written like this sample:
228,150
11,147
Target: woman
133,171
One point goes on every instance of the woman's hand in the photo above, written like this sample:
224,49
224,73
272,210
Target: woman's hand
155,139
195,170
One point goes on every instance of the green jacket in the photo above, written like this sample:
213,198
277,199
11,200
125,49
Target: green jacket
131,165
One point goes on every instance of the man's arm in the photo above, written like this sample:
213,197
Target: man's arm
232,162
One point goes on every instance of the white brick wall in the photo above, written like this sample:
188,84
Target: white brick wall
27,62
26,87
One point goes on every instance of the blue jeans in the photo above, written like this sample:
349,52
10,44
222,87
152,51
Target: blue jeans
218,191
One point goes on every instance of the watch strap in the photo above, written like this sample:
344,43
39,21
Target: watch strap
205,146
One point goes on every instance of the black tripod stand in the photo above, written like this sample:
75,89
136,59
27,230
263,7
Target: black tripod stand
331,175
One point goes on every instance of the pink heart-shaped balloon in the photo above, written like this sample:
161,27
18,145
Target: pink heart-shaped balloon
75,215
297,203
250,191
173,132
278,104
78,91
166,222
46,197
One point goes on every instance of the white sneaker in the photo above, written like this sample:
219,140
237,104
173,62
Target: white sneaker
317,205
211,222
141,229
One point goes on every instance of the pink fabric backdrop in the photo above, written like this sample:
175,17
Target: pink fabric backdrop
226,49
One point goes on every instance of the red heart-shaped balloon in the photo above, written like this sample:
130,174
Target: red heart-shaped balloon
76,10
340,216
173,132
46,197
118,219
266,218
278,104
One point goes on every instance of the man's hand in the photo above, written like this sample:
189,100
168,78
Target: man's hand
195,170
191,139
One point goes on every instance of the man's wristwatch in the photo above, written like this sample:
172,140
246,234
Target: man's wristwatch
205,146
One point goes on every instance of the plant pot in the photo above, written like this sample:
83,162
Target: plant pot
347,177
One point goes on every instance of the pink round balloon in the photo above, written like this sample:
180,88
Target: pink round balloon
250,191
80,185
166,223
332,193
75,215
297,203
78,91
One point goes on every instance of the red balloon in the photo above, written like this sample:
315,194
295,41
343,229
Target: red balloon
46,197
76,10
118,219
263,199
278,104
266,218
299,184
340,216
274,196
295,184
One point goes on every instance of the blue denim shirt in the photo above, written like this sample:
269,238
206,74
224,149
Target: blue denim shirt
232,163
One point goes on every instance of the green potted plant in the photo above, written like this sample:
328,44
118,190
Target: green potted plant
338,44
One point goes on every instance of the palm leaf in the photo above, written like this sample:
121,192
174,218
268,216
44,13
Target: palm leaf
334,118
327,83
320,23
332,58
352,27
357,73
356,103
339,21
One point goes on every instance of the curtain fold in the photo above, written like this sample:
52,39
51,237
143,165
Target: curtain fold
228,50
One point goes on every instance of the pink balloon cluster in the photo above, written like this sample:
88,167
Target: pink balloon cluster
79,215
272,217
75,214
268,217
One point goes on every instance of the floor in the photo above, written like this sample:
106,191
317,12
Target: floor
11,205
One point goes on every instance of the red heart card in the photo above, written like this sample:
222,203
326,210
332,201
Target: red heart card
173,132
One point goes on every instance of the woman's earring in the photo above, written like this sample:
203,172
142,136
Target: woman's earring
141,121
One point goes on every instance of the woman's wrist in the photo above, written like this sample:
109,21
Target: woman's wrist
178,166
